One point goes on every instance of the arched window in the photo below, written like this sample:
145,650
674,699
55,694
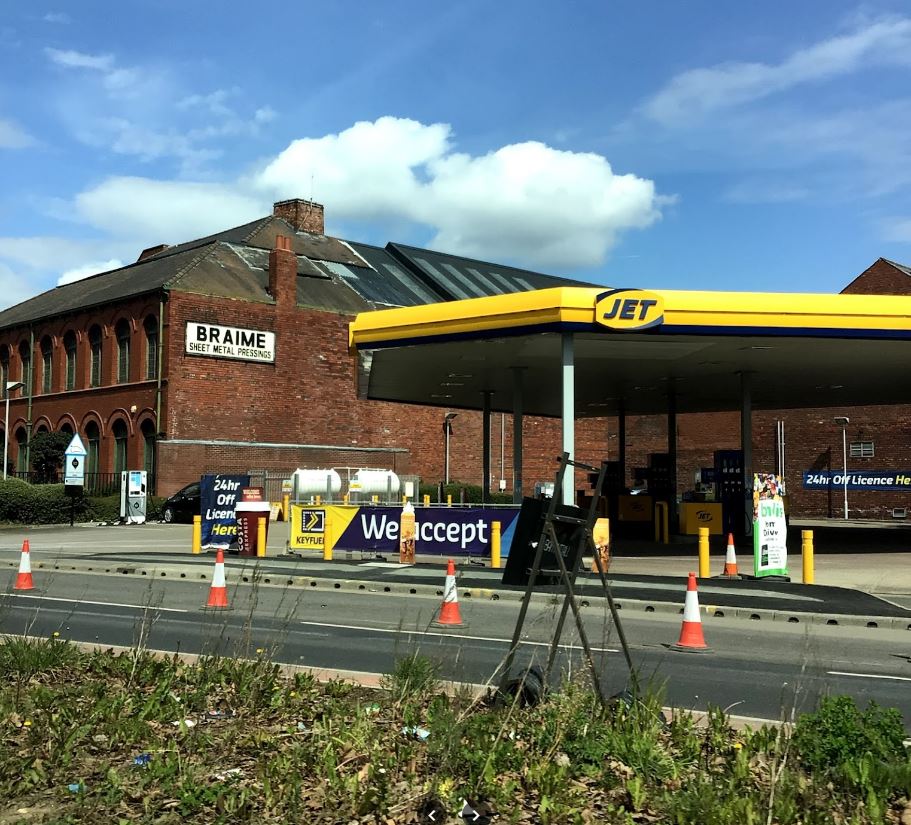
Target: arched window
95,348
25,357
69,347
120,447
93,437
47,365
148,451
41,428
21,452
122,331
66,427
4,369
150,325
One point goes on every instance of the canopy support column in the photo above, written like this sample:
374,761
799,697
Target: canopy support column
568,417
746,445
672,456
485,452
621,442
517,435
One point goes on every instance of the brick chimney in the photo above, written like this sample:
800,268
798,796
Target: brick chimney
283,273
304,216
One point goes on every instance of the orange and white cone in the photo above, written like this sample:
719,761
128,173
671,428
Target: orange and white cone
450,615
730,560
691,638
24,579
218,592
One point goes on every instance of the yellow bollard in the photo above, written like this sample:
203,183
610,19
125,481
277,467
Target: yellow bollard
345,499
426,501
806,542
375,499
495,561
286,507
261,538
704,553
319,500
197,534
327,548
449,500
404,500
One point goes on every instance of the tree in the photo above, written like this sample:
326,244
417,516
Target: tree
47,451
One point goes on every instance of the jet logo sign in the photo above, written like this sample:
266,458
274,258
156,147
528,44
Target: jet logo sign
629,309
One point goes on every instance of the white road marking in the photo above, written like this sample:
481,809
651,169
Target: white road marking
102,604
869,675
451,636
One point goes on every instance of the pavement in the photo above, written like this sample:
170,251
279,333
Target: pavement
867,586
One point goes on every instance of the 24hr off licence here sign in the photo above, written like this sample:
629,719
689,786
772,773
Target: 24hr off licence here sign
230,342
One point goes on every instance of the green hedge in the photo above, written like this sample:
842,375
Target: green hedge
24,503
472,493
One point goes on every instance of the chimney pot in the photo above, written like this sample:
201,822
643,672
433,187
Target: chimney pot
304,216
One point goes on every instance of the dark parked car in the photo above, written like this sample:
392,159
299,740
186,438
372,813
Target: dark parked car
182,506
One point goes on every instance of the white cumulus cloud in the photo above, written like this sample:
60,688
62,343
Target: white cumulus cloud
698,92
80,60
77,273
165,211
524,201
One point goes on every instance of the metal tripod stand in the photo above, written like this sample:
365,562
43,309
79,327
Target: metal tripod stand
584,541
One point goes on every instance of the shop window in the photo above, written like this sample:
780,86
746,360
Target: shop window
47,365
120,447
122,331
95,351
150,325
93,437
69,347
25,357
861,449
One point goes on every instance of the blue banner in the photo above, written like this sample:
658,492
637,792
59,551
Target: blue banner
217,496
877,480
448,531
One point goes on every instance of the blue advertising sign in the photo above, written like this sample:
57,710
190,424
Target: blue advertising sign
449,531
218,495
880,480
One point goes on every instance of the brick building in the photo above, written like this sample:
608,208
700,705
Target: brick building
111,356
118,358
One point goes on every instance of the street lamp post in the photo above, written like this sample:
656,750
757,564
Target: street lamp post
10,386
447,431
844,421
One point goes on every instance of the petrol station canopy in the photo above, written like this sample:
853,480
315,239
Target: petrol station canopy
633,349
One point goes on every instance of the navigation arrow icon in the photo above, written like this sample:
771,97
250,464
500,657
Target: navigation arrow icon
468,812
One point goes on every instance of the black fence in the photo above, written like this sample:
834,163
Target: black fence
96,484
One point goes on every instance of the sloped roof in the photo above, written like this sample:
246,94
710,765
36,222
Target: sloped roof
903,267
333,274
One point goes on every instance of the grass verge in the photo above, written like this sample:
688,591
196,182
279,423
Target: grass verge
89,737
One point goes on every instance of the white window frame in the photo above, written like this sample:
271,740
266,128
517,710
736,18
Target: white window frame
861,449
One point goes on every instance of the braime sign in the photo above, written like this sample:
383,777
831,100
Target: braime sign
230,342
629,309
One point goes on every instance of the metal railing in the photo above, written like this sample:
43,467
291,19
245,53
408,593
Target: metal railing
96,484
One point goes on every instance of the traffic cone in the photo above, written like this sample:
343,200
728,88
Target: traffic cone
730,560
691,638
218,592
24,579
450,615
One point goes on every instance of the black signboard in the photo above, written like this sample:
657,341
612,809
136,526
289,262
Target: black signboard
527,534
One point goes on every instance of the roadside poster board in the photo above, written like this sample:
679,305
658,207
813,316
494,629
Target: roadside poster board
770,532
218,495
437,530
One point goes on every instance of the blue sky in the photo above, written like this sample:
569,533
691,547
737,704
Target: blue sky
653,144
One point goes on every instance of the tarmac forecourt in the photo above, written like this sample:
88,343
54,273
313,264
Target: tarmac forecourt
750,600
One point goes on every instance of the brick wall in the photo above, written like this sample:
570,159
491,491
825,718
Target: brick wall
132,401
883,278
